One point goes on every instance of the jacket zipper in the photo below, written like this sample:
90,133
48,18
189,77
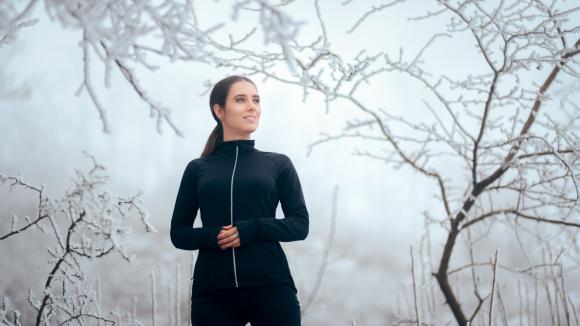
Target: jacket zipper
232,213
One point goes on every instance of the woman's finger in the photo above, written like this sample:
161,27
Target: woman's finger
234,243
226,241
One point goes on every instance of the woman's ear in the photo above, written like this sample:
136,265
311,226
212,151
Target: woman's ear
219,112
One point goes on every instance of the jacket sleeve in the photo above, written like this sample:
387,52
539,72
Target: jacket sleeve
183,234
294,225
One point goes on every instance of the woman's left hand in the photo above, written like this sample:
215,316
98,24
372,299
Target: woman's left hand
228,237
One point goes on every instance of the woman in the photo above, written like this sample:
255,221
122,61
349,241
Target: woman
241,274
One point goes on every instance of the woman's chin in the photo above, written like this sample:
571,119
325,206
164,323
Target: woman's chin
251,128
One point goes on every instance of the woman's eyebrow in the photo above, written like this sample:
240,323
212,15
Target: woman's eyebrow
257,96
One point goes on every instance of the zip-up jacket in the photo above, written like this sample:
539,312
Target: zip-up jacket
240,185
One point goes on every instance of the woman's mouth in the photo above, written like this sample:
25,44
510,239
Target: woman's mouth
250,118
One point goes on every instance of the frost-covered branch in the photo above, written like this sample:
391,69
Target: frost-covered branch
87,222
11,20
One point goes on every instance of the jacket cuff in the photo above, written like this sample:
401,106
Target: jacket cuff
248,230
211,234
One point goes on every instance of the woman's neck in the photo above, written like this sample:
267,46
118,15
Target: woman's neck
236,137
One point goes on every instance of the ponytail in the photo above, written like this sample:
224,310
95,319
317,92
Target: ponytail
215,137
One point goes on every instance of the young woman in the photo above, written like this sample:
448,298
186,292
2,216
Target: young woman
241,274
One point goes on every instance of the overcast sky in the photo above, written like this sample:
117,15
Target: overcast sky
379,210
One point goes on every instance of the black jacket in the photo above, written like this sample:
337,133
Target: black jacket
240,185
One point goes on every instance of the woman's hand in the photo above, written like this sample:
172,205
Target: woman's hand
228,237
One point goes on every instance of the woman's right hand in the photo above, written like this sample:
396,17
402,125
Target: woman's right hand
228,237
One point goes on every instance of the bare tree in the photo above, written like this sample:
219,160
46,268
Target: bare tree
87,223
521,159
119,33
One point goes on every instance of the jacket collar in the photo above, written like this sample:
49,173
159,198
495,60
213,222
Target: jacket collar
229,147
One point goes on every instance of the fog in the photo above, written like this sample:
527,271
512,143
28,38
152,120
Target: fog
44,129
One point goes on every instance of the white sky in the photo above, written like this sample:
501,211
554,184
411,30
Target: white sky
379,210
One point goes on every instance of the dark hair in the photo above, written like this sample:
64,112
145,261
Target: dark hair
218,95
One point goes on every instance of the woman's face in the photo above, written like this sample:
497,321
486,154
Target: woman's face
242,114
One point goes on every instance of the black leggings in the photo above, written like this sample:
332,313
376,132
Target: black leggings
238,306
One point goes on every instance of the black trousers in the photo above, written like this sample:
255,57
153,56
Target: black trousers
260,306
